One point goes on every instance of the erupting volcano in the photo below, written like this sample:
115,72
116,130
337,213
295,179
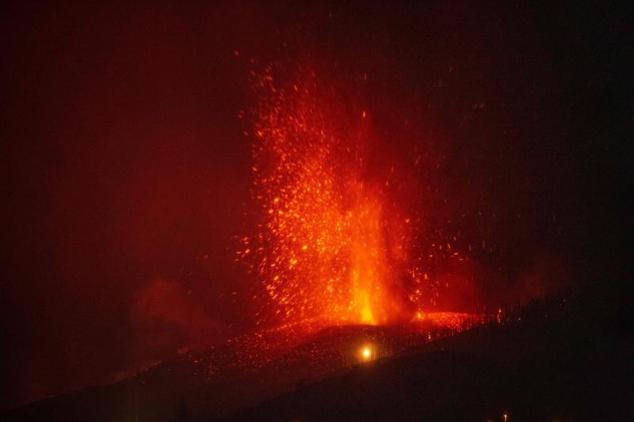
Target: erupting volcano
316,211
331,244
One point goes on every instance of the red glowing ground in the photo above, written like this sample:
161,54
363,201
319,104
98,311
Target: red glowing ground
314,348
251,368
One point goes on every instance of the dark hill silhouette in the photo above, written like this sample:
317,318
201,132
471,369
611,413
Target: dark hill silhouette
565,358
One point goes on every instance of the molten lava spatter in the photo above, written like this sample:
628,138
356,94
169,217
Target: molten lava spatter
321,250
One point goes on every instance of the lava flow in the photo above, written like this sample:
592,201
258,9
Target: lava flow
326,248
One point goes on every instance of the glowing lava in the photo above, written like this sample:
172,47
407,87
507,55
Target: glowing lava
321,249
333,245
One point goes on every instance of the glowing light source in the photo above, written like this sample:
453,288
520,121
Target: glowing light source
366,353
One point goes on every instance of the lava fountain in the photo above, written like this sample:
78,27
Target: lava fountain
325,247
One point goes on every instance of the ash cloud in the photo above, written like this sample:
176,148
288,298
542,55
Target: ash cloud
166,319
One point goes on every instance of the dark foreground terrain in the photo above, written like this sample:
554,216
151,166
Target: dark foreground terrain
567,358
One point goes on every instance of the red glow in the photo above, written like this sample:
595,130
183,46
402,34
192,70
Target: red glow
454,320
331,245
321,250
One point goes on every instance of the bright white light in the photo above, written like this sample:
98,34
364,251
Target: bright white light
366,352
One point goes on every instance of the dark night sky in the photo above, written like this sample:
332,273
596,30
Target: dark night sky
126,172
